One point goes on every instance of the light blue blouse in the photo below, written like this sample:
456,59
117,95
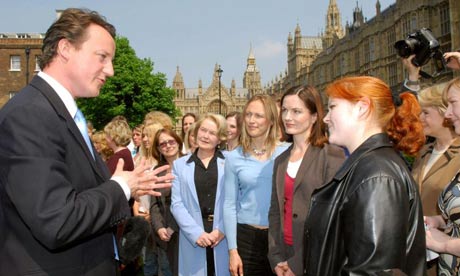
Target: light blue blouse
248,187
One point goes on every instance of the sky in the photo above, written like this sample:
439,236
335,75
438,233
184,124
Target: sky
196,35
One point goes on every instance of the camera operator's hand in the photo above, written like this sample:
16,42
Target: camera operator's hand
413,74
412,70
452,60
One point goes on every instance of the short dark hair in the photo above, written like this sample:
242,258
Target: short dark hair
71,25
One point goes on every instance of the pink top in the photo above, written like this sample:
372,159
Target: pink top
288,199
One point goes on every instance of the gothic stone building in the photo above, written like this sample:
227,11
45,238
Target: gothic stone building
367,46
303,50
202,100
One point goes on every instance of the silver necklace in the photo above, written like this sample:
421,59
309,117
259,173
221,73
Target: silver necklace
259,152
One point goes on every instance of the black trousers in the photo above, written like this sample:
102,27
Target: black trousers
253,249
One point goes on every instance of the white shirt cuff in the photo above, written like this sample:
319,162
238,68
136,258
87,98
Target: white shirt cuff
415,89
123,185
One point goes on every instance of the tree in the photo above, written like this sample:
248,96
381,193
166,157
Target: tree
133,91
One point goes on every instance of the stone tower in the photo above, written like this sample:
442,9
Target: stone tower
178,85
251,78
334,30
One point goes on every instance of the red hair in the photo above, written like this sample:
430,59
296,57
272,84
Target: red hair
402,123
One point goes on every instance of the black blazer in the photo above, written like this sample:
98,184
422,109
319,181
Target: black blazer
57,202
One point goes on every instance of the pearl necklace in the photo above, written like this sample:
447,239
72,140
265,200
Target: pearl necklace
259,152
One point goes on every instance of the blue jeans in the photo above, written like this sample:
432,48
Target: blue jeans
155,259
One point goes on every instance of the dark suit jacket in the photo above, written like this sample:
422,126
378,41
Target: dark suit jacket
318,167
58,204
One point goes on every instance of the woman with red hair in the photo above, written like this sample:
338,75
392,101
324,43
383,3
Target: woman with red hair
368,219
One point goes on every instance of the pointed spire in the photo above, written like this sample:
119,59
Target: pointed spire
334,28
251,52
297,30
251,58
178,77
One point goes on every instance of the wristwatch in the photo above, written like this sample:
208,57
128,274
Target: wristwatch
411,82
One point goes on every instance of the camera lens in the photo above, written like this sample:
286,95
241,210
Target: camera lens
404,50
406,47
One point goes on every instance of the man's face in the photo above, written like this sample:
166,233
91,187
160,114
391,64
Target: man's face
90,65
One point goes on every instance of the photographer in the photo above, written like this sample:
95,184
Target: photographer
412,82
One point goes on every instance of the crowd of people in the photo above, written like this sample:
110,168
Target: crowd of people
281,188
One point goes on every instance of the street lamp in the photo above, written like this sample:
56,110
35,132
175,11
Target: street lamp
219,73
27,50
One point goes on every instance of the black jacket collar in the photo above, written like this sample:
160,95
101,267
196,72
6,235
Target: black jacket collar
374,142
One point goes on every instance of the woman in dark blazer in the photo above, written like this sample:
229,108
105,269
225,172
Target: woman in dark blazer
308,164
167,147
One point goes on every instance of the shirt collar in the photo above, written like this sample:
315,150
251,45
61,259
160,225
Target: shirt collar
62,92
194,156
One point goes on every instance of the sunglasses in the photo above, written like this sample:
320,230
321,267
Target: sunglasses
164,144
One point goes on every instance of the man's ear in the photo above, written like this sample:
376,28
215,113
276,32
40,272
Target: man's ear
64,49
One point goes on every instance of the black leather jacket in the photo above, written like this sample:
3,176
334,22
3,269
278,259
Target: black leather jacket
368,219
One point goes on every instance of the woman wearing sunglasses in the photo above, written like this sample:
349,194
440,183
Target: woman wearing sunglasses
167,147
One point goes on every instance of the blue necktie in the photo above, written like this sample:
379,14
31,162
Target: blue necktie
81,124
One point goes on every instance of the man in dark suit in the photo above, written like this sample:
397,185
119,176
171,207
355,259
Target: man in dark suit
58,204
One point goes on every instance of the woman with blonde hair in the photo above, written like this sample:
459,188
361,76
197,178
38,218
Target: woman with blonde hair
118,135
197,202
248,178
438,161
189,140
368,220
148,138
443,234
152,262
100,144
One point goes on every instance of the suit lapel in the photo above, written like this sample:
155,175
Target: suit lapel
280,180
62,112
190,180
310,157
220,174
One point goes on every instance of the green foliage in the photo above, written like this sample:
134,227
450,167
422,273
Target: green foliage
133,91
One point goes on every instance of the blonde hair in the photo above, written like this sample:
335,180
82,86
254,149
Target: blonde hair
221,124
271,114
150,130
119,131
449,85
158,117
99,138
432,97
189,132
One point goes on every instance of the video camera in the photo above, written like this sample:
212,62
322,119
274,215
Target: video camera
424,46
